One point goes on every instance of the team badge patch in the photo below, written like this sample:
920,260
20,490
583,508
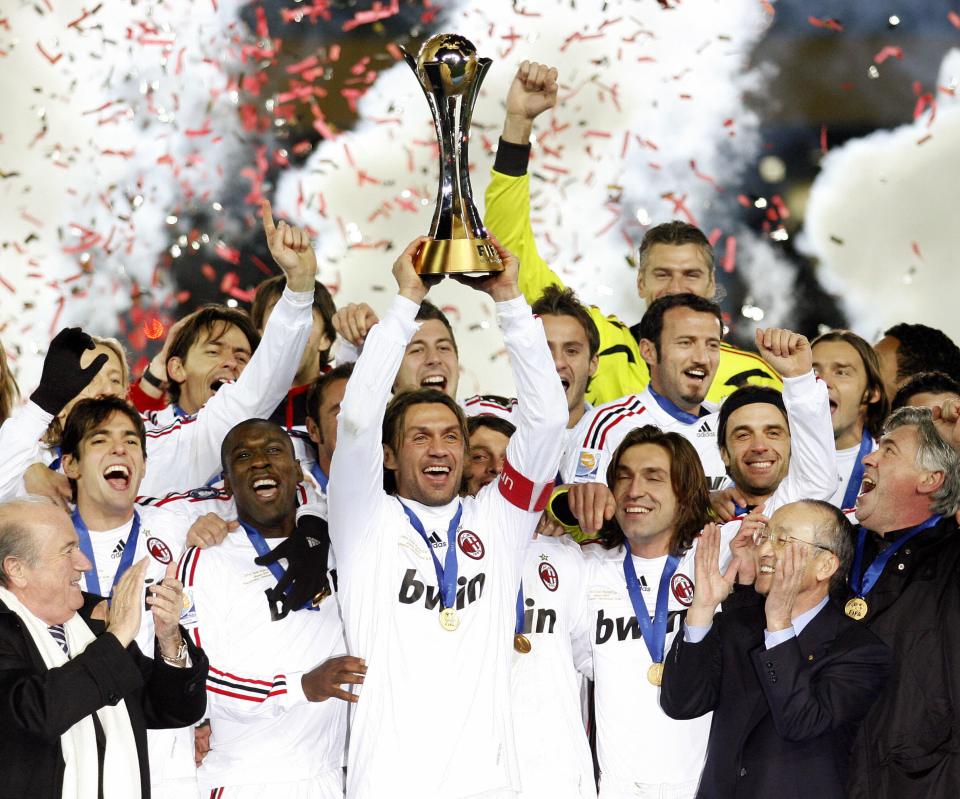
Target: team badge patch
682,587
549,576
587,465
470,544
159,550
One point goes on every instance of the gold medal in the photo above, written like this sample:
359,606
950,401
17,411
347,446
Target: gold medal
185,601
449,620
856,608
319,597
521,643
655,674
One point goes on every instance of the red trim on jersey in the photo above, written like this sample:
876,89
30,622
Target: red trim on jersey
596,419
615,422
232,695
246,679
521,492
170,428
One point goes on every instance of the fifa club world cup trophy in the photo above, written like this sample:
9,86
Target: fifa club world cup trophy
450,74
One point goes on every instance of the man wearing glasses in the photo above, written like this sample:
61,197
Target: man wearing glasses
787,675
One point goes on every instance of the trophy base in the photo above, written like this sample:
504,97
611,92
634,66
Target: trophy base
457,256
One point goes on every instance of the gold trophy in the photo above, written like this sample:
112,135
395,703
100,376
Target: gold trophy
450,74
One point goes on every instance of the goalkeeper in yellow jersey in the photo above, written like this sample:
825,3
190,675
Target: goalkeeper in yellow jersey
674,257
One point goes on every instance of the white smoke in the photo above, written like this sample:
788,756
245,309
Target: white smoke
125,104
882,219
644,91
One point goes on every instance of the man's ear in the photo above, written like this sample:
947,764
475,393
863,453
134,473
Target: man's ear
827,567
226,482
71,466
648,351
930,482
725,457
12,567
313,430
389,458
175,370
870,397
594,363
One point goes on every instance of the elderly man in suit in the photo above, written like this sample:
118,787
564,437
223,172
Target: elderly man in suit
76,694
787,675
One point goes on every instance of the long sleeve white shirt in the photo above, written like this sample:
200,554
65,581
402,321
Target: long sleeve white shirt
433,716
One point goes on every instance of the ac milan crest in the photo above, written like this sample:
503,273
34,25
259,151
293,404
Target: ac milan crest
682,587
470,544
549,576
159,550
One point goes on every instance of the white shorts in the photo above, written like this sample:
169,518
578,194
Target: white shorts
328,785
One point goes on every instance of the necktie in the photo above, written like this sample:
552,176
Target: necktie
56,630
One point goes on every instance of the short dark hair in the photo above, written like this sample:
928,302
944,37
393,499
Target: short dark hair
676,233
270,290
488,420
923,383
430,311
393,419
651,325
240,427
836,534
208,320
321,384
558,301
747,395
688,481
878,409
924,349
88,414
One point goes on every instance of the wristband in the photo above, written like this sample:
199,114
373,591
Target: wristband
152,379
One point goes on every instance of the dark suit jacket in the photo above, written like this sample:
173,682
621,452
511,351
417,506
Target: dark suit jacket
37,705
909,743
785,718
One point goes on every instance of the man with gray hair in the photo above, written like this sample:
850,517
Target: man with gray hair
76,694
905,586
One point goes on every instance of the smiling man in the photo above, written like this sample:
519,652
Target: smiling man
277,712
78,693
787,677
903,586
639,584
779,447
680,342
104,458
429,581
674,257
184,450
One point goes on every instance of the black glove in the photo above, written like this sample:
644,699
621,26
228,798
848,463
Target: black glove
306,550
62,378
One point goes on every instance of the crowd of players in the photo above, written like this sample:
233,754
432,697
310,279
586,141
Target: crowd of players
287,562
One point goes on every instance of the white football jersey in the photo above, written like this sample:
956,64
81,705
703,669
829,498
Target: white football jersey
433,717
636,741
552,748
263,729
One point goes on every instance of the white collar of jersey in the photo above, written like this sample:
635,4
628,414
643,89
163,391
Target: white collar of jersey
432,516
